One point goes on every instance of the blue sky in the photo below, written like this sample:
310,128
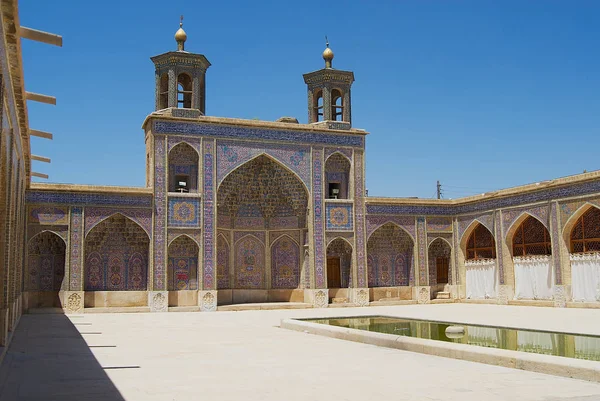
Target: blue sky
480,95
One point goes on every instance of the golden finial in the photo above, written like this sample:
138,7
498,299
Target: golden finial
327,54
180,36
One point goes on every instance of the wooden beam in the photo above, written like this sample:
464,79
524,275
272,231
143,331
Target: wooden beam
38,97
40,158
40,36
41,134
39,175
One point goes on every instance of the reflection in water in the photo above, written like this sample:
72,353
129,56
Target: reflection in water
539,342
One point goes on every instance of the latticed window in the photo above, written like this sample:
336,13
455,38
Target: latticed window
585,236
481,244
531,238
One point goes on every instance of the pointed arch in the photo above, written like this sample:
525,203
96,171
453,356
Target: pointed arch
46,262
478,242
339,263
117,251
183,162
533,241
285,263
178,142
337,176
582,229
184,235
120,213
377,227
440,261
390,256
51,232
273,159
223,262
337,152
182,267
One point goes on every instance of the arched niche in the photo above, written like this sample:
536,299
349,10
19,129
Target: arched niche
390,257
182,266
223,263
584,253
46,257
337,176
285,263
339,264
116,256
440,262
183,168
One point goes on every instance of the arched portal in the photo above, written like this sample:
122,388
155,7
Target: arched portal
116,258
45,263
337,176
182,268
339,262
183,169
258,201
390,257
480,264
585,256
531,250
439,262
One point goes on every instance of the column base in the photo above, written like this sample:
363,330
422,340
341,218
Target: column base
318,298
562,295
207,300
3,327
505,294
72,302
422,294
359,296
158,301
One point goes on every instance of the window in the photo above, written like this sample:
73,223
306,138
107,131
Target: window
318,106
585,235
481,244
164,91
531,238
337,108
184,91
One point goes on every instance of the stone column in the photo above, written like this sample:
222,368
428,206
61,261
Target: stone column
359,275
346,102
4,233
207,296
422,291
157,295
506,287
73,299
196,92
311,109
172,88
560,259
327,103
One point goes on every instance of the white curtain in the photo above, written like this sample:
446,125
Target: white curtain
483,336
533,277
482,279
585,276
587,347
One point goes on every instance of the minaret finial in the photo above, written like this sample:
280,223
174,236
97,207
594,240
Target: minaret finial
180,36
327,54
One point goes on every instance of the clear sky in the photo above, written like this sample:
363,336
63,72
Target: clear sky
480,95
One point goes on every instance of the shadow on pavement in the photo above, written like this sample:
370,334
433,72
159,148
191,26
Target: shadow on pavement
48,360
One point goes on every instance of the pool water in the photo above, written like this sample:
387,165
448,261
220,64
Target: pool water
539,342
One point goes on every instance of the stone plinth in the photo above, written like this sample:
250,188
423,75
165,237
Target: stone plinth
505,294
207,301
359,296
158,301
562,295
318,298
422,294
73,301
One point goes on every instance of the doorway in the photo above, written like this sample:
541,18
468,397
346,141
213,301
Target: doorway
334,278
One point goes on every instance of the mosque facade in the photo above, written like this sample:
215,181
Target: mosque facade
244,211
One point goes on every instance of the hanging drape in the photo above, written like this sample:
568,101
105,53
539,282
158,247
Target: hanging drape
540,343
585,276
483,336
533,277
482,279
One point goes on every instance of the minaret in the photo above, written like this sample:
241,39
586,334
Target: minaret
329,92
180,77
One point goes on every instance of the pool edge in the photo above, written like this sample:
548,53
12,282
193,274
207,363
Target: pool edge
547,364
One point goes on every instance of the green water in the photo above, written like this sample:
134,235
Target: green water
539,342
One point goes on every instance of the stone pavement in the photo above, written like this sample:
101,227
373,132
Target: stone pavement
246,356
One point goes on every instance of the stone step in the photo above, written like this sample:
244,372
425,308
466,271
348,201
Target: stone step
442,295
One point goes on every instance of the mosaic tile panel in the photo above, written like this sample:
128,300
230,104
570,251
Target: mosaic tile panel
509,216
209,215
349,236
390,257
339,216
160,214
222,263
61,231
285,264
249,263
422,246
294,234
231,155
75,242
567,209
174,140
499,254
360,218
345,151
435,235
184,212
143,217
240,234
439,224
249,133
318,232
76,198
555,235
196,235
48,215
406,222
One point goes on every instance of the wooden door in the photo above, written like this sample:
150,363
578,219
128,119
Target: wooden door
442,264
334,279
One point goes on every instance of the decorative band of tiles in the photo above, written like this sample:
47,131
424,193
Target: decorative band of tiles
75,198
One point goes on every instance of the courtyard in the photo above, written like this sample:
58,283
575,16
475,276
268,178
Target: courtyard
246,355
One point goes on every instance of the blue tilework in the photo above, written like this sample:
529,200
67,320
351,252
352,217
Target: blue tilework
73,198
339,216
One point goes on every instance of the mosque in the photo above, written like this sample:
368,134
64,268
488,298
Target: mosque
245,211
